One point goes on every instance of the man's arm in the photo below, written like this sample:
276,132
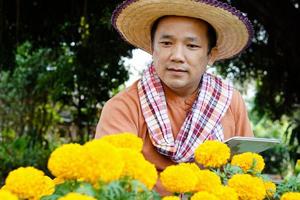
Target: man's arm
118,115
242,122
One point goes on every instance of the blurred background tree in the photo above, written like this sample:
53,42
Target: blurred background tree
272,63
60,61
55,52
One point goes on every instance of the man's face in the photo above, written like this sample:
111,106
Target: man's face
180,53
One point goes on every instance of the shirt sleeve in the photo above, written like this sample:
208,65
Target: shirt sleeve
119,114
240,114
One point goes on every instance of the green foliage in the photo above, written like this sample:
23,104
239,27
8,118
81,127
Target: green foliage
54,82
280,158
24,99
23,151
72,66
290,184
74,186
227,171
272,63
50,87
277,160
266,127
271,60
122,189
292,136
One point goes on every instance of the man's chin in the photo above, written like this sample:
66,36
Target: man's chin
177,86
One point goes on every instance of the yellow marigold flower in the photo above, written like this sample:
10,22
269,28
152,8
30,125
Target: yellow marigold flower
49,186
270,188
125,140
171,198
178,178
58,181
212,154
246,160
225,193
29,183
4,188
66,161
248,187
136,166
76,196
206,179
290,196
103,162
204,196
192,166
7,195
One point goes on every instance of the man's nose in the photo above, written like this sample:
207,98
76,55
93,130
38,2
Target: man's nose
177,54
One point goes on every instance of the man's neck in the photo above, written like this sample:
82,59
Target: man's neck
184,94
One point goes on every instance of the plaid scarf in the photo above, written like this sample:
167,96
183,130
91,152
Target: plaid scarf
203,121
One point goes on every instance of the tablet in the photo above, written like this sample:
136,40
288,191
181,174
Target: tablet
250,144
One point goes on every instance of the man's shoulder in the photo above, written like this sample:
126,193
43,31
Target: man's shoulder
127,96
237,101
236,96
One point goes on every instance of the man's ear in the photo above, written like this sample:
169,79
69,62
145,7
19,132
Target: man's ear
212,56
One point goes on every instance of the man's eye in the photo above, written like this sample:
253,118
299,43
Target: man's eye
193,46
166,43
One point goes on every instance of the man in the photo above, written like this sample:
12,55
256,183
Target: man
177,105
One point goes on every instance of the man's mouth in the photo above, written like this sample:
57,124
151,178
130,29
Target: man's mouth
176,69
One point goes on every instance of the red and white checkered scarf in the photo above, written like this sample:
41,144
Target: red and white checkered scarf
203,121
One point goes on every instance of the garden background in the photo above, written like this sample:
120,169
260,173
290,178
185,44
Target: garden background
60,61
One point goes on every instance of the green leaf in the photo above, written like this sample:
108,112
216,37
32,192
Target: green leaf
66,187
51,197
85,188
292,184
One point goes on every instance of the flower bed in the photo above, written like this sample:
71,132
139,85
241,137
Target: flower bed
113,167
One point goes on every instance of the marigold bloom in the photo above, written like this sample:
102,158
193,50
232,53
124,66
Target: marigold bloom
76,196
136,166
58,181
246,160
178,178
7,195
103,162
29,183
290,196
192,166
248,187
207,180
204,196
66,161
212,154
225,193
125,140
270,188
171,198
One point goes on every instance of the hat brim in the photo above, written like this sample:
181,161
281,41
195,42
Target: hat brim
133,19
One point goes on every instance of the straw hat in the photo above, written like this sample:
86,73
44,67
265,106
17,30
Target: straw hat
133,19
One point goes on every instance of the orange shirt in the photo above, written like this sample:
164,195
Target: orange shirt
123,113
